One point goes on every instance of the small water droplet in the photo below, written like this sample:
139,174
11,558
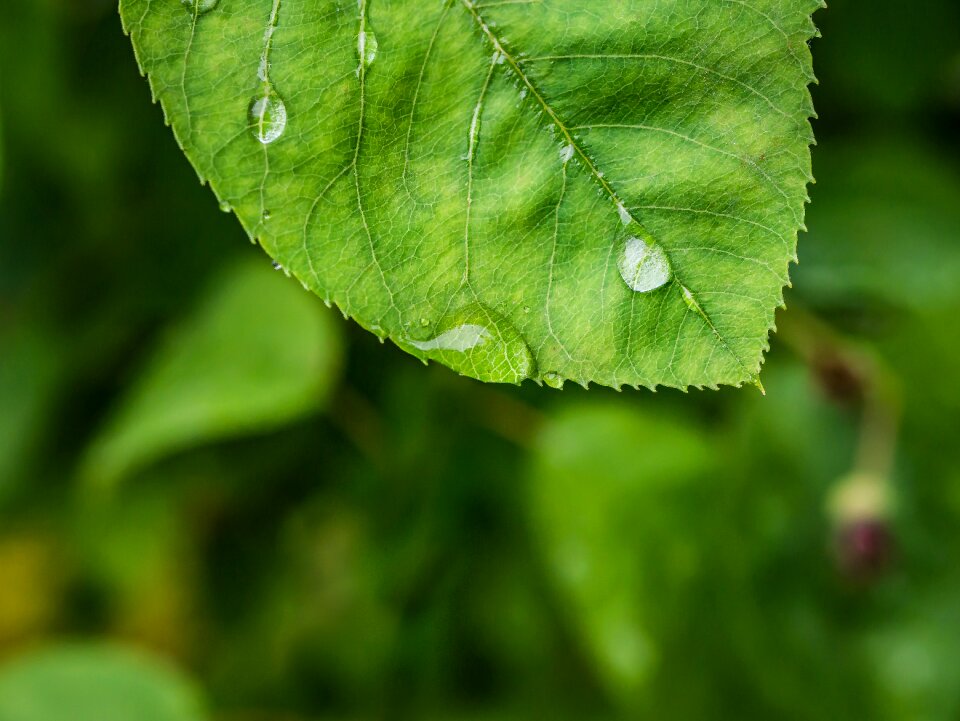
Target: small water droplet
480,343
266,215
425,322
367,46
268,116
643,265
566,152
554,380
225,207
690,300
199,7
277,266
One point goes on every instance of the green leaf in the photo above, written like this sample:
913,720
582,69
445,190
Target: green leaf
258,353
555,189
28,384
886,227
612,511
94,683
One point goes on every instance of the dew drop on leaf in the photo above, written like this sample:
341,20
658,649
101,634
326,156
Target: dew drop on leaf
690,300
367,47
460,339
268,116
643,266
225,207
478,342
554,380
199,7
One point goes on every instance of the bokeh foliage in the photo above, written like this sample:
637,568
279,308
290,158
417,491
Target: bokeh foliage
399,542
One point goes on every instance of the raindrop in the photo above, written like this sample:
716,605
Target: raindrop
554,380
277,266
643,266
690,300
225,207
459,339
478,342
268,116
367,47
266,215
199,7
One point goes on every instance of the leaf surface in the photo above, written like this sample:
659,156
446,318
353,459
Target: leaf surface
94,683
548,189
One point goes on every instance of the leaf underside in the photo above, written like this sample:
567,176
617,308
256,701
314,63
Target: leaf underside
493,184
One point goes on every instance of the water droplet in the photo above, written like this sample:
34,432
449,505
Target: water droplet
554,380
460,339
367,47
690,300
566,152
643,266
199,7
277,266
477,342
425,322
268,116
266,215
225,207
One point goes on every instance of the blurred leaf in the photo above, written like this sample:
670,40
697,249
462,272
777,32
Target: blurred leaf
914,659
875,58
404,174
256,354
29,372
94,683
883,227
611,512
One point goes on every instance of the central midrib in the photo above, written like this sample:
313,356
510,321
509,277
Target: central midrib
595,172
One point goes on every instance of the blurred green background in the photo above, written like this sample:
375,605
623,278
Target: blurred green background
220,501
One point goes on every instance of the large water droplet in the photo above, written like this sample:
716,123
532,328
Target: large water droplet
643,265
459,339
477,342
268,116
199,7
